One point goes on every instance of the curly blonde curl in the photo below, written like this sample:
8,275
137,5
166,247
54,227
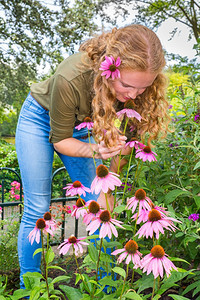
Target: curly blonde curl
139,50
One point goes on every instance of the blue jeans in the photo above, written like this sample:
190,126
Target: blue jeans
35,156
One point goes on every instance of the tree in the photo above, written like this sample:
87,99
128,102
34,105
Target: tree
154,12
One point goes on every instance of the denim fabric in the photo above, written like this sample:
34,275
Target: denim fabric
35,155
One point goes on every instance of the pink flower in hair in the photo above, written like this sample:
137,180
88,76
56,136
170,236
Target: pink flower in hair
109,67
134,143
87,123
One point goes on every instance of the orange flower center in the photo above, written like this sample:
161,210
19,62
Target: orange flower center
87,120
94,207
129,104
105,216
147,149
47,216
158,251
40,224
140,194
131,247
154,215
76,184
102,171
80,202
72,239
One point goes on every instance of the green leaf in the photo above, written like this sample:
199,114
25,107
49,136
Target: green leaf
179,259
172,195
71,293
32,279
37,251
177,297
60,278
128,227
119,209
49,256
108,281
197,166
119,271
93,252
133,295
197,201
56,267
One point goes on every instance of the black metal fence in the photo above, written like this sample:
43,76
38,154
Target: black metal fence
8,175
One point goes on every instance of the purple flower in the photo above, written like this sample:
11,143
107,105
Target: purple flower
193,217
196,118
170,106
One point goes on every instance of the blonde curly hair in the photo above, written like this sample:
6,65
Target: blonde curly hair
139,50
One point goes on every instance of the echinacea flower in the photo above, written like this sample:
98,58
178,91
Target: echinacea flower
76,188
146,154
129,111
51,223
87,123
109,67
93,210
130,253
73,242
134,143
79,209
193,217
34,235
104,180
157,262
106,224
142,216
141,199
156,223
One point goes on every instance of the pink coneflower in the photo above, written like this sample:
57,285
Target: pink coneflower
34,235
73,242
134,143
79,209
105,222
129,111
104,180
87,123
51,224
109,67
156,223
143,215
146,154
141,198
130,253
93,210
76,188
156,261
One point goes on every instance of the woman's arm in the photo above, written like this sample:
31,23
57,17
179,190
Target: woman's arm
76,148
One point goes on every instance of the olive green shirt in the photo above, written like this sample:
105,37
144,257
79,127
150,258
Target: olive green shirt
67,96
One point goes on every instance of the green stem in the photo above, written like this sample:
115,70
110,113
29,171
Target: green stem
132,276
154,284
45,265
93,154
137,173
129,164
101,241
135,224
124,281
107,204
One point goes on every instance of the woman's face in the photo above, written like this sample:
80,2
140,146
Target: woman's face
132,83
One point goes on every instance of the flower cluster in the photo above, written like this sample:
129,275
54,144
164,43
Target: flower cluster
15,190
193,217
47,224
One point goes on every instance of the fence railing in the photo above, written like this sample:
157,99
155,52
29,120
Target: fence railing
8,175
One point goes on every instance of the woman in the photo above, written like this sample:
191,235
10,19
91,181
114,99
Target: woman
108,70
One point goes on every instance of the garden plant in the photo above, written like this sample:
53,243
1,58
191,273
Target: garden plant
153,230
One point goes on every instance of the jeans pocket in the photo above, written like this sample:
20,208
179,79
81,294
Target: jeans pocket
32,105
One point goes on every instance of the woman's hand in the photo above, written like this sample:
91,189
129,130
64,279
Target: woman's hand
104,152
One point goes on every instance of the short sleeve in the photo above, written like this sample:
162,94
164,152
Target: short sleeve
64,103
